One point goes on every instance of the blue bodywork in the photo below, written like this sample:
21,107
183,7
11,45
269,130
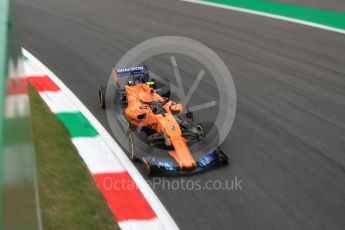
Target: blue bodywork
207,159
166,164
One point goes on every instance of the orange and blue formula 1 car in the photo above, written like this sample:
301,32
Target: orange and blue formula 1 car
159,133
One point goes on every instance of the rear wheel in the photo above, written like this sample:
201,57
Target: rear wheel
101,96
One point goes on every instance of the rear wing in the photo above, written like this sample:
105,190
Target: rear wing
120,72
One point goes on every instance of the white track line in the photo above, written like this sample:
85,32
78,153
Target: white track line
142,225
57,102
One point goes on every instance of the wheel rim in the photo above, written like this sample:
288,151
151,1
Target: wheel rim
201,130
100,97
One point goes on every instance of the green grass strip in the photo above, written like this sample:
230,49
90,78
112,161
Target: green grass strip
69,197
77,124
323,17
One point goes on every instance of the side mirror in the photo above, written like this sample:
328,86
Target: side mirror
175,112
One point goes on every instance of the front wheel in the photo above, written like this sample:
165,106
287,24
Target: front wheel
132,148
222,158
101,96
150,170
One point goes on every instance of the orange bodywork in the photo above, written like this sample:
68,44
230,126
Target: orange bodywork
141,114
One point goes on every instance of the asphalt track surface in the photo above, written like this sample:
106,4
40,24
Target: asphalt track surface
287,143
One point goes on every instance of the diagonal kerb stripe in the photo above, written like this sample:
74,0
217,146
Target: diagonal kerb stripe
58,102
97,155
43,84
123,196
17,86
77,125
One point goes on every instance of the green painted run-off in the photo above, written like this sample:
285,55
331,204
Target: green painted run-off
318,16
77,125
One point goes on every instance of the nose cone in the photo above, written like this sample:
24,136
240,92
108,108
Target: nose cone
188,165
182,154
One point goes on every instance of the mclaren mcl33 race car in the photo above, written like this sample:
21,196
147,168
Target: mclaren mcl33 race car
160,134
